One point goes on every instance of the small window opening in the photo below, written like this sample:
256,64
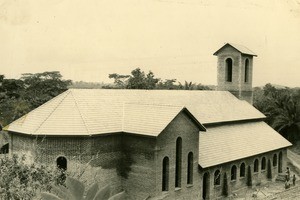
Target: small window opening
256,165
242,170
217,177
229,70
165,174
4,149
275,160
233,172
61,163
246,70
178,162
263,163
190,168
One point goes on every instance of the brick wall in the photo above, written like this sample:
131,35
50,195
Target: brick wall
257,177
182,127
238,86
98,158
138,177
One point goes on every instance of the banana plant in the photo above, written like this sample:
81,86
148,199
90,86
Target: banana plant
75,190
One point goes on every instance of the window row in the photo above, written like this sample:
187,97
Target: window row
178,166
233,172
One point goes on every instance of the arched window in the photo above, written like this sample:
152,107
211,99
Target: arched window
233,172
228,70
275,160
256,165
165,174
246,70
190,168
61,163
242,170
217,177
178,162
263,163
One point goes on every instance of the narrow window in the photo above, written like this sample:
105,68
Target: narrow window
275,160
263,163
165,174
61,163
242,170
233,172
229,70
256,165
217,177
190,168
178,162
246,70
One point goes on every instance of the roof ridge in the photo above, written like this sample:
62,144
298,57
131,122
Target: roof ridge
68,92
81,116
153,104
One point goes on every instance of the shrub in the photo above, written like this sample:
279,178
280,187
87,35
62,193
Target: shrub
22,181
269,172
249,177
225,186
75,190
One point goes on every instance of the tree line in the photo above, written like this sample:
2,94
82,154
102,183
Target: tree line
19,96
281,105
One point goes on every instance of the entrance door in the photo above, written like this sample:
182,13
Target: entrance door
205,186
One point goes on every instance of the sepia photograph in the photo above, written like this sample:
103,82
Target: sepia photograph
149,99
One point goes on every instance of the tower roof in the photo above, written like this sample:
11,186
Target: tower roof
242,49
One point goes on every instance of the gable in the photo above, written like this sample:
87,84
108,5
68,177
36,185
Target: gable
239,48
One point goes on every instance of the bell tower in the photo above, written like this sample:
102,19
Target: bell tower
235,69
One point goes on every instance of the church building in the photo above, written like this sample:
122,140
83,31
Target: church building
171,144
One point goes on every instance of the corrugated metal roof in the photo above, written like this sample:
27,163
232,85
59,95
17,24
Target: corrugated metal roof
238,47
221,144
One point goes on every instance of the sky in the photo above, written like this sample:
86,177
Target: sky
87,40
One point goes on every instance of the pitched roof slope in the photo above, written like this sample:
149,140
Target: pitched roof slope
88,112
221,144
96,111
242,49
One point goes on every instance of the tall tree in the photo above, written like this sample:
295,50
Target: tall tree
282,107
19,96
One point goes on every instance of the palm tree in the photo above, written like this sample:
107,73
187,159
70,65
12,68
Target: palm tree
284,112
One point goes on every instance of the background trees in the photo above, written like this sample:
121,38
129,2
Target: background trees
281,105
19,96
138,79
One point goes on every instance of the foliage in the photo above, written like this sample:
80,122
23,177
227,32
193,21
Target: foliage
282,107
225,186
269,172
19,180
249,177
75,190
19,96
140,80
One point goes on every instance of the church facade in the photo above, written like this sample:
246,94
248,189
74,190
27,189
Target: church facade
158,143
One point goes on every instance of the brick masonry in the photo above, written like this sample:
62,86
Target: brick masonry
238,86
233,185
134,163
